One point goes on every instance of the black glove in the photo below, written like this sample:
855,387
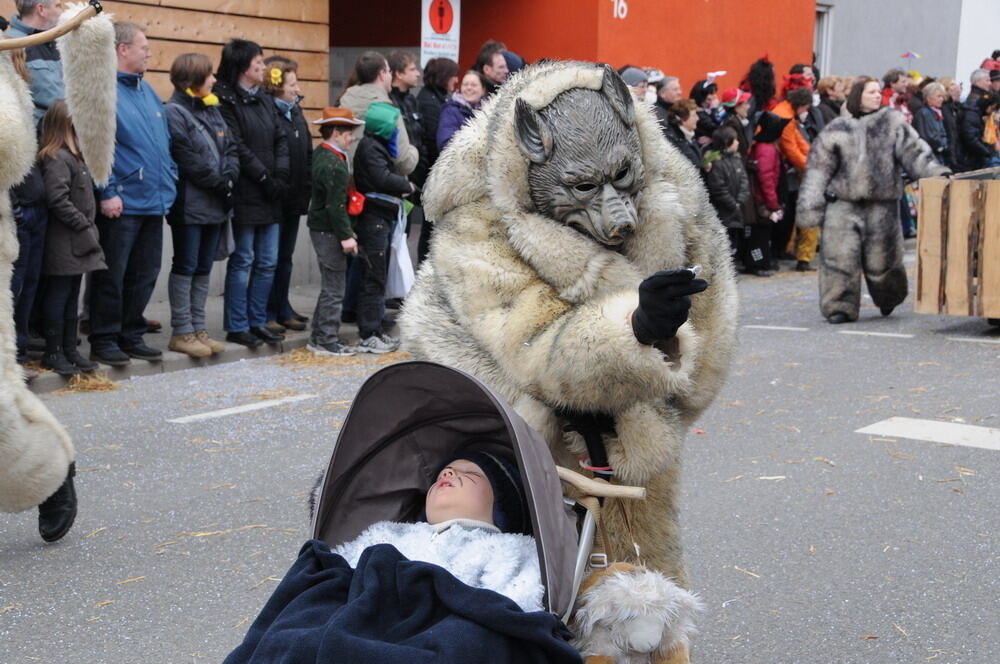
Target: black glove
664,301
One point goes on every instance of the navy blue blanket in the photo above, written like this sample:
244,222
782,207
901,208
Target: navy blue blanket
393,610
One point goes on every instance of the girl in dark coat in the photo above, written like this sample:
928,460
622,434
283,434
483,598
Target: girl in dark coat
72,244
264,171
460,108
767,167
209,165
281,81
728,187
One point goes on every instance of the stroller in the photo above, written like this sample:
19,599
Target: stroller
407,418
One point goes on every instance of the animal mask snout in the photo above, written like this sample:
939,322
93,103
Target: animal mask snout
619,214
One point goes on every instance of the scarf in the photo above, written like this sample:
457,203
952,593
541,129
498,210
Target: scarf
285,107
208,100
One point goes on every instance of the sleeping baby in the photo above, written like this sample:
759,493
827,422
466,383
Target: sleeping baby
477,528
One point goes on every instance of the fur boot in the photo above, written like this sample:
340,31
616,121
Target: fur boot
631,615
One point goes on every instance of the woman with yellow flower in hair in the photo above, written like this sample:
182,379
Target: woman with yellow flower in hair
208,166
282,82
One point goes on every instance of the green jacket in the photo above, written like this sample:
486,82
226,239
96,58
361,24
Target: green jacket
328,204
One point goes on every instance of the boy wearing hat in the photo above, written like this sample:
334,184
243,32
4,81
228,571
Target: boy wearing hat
330,227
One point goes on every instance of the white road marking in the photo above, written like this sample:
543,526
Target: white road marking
936,432
863,333
245,408
972,340
776,327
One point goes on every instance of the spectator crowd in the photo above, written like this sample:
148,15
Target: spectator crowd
229,161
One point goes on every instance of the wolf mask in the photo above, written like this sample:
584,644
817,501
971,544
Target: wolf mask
585,159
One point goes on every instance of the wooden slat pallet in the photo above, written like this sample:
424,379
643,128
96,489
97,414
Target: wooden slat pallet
958,245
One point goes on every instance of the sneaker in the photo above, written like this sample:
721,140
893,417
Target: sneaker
189,345
332,349
378,344
215,346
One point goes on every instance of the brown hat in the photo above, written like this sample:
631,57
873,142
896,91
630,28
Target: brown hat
335,115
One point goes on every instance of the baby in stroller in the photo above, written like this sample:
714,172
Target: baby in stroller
477,527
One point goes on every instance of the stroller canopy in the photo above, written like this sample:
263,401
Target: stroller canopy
405,422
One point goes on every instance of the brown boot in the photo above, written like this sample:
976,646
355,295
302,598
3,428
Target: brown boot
189,345
215,346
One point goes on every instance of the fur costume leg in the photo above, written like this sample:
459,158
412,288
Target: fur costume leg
840,261
631,615
882,255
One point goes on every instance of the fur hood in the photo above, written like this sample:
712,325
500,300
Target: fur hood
863,159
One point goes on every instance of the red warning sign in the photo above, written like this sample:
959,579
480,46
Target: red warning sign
442,16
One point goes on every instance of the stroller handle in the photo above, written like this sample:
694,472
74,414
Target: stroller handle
599,488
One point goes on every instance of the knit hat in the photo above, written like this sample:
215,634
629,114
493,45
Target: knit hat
510,504
380,119
633,76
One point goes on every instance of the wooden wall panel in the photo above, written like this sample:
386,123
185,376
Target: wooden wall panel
315,91
929,243
989,279
312,66
957,275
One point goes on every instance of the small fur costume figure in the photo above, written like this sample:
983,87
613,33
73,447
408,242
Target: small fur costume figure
551,207
852,188
35,450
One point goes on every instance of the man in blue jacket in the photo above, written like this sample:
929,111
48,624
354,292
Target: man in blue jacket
140,192
42,60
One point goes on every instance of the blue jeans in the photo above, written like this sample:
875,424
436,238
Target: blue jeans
250,275
27,268
194,248
133,246
278,307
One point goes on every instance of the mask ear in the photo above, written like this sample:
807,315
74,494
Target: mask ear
619,95
535,137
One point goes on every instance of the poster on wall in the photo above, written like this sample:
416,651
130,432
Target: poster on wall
439,30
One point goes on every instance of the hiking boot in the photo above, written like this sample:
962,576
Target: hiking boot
56,361
189,345
293,324
70,350
57,513
377,344
332,349
141,351
215,346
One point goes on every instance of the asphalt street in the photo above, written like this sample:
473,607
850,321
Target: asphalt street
808,541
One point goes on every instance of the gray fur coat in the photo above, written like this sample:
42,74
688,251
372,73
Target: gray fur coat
541,312
863,159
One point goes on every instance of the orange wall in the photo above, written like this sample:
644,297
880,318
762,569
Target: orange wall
684,38
688,38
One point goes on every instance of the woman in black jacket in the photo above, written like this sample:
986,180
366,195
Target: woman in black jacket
208,165
951,111
281,80
264,172
683,118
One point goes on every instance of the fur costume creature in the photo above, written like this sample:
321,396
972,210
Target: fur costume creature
852,188
540,308
35,450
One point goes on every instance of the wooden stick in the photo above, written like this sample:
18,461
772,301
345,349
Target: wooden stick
599,488
44,37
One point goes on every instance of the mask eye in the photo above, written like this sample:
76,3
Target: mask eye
585,187
622,174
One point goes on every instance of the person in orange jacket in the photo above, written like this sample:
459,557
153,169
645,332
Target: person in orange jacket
795,149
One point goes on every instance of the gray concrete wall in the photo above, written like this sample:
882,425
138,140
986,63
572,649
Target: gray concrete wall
867,37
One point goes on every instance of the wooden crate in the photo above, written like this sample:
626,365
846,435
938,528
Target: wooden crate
958,245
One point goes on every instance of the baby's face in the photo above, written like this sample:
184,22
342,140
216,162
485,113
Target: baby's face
461,491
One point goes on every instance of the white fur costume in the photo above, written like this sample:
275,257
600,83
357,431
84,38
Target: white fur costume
35,450
541,313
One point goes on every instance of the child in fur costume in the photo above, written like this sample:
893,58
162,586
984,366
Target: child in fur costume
852,189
